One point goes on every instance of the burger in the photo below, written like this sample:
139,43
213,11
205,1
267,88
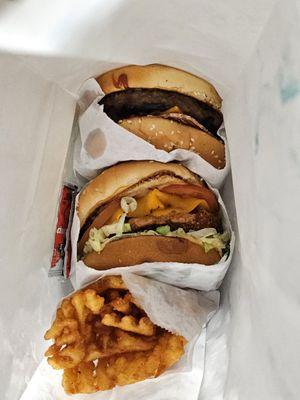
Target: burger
147,211
169,108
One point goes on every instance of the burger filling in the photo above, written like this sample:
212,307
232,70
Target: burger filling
185,211
166,103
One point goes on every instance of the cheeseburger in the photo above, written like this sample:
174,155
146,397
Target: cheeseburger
146,211
170,108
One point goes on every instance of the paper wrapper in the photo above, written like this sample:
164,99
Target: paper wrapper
103,143
184,312
195,276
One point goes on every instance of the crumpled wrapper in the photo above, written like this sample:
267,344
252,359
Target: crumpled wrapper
194,276
185,312
103,143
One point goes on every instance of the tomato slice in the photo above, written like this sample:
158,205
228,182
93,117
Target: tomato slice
200,192
99,221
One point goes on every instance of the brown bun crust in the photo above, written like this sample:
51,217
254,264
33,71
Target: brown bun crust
119,178
160,77
169,135
139,249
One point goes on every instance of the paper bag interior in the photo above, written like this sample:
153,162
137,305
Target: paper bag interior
249,50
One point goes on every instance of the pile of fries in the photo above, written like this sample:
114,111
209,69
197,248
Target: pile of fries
103,338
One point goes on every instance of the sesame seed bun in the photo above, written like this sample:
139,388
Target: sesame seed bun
128,177
139,249
168,135
160,77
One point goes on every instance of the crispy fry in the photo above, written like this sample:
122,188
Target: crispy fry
102,379
108,282
170,348
106,309
130,342
129,323
52,350
133,367
130,367
58,327
122,305
125,304
113,294
122,342
79,379
132,300
68,357
102,338
67,337
86,301
67,308
93,353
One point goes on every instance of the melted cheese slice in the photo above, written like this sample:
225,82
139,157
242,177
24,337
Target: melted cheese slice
158,204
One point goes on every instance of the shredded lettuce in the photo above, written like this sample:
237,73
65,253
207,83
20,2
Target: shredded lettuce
163,230
209,238
98,238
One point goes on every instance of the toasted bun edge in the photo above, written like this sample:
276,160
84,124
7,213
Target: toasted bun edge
161,77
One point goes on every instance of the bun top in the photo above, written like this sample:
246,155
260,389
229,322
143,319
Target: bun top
120,177
159,77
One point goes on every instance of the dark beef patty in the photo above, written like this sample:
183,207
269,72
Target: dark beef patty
138,102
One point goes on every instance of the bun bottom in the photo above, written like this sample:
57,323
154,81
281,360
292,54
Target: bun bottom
140,249
166,134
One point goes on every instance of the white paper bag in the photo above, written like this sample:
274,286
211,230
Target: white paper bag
250,51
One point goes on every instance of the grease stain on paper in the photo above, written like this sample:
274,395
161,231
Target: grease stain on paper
95,143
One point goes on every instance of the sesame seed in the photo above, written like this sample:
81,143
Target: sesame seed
171,121
193,148
181,142
220,161
120,121
161,132
216,156
178,131
212,152
165,145
140,121
172,132
152,127
192,140
129,121
156,134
